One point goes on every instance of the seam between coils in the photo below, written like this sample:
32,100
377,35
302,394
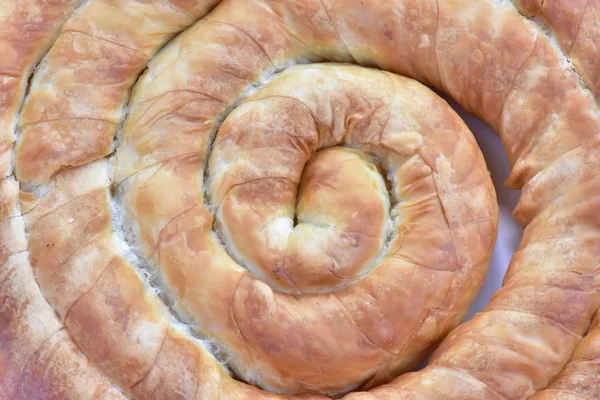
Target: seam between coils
551,36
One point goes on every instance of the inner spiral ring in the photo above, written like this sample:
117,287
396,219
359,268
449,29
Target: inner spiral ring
255,167
311,232
267,175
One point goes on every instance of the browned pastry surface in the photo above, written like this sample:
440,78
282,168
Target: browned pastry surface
579,378
320,227
85,78
438,237
27,29
576,24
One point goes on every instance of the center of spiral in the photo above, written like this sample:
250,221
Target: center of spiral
302,222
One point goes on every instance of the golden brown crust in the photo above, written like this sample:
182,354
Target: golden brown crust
301,239
118,305
58,360
579,378
339,336
377,113
576,24
27,320
84,81
39,359
28,29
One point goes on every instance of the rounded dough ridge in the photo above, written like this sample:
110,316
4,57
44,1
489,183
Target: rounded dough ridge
320,228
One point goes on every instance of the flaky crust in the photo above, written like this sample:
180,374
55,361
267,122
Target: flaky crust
252,238
84,80
579,378
576,24
29,28
439,240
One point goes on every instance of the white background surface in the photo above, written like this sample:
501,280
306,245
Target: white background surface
509,232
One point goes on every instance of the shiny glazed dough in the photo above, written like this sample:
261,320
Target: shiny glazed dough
227,187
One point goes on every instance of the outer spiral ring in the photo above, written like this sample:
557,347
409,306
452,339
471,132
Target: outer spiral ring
548,124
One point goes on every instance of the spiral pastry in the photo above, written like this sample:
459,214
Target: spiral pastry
205,199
